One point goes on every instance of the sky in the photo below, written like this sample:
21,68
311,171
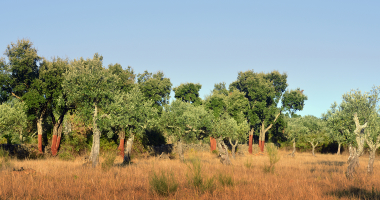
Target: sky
326,47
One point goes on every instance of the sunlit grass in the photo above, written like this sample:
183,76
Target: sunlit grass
302,177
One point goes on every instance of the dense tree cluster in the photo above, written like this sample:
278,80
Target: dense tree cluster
114,105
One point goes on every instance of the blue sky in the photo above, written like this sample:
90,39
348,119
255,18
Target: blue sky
327,48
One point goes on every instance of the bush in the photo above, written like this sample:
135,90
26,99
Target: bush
66,155
5,160
163,183
196,179
109,159
273,157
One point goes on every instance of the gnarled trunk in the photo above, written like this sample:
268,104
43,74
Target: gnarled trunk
372,155
250,141
94,157
355,153
223,152
233,147
263,130
128,149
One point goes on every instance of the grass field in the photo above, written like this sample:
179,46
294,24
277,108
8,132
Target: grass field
302,177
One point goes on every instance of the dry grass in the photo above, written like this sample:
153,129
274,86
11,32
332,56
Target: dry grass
302,177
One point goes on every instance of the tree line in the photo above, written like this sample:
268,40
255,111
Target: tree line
114,102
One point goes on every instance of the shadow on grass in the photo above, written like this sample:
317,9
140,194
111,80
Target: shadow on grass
329,163
357,193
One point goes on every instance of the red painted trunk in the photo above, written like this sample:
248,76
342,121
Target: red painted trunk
121,148
250,144
40,143
54,145
58,143
212,143
262,146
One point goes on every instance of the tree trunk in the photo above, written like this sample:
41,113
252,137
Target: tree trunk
313,145
54,143
121,145
180,150
57,132
94,157
212,143
59,137
223,152
250,141
128,149
353,159
39,131
372,154
233,148
294,148
338,153
263,130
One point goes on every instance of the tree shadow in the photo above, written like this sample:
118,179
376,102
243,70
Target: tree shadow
357,193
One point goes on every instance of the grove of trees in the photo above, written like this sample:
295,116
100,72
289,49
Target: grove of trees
112,107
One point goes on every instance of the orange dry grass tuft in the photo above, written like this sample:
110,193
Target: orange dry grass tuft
302,177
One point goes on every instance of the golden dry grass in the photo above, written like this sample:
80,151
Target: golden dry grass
302,177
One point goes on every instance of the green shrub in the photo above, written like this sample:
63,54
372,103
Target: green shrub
225,180
273,157
215,152
109,159
66,155
196,179
163,183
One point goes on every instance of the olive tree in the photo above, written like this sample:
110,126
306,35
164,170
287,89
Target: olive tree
91,88
132,114
185,121
294,130
316,131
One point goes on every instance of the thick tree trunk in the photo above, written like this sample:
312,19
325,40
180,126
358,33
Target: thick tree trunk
250,141
54,144
338,153
94,157
372,154
212,143
59,137
233,148
223,152
57,132
263,130
353,161
294,148
355,153
180,150
128,149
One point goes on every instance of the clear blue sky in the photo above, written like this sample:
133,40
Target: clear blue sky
325,47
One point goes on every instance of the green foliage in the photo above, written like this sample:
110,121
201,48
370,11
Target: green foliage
225,180
186,121
126,78
188,92
197,180
75,144
163,183
248,164
155,87
273,157
293,101
13,121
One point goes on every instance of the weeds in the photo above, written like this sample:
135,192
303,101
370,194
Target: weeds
225,180
5,160
163,183
248,164
196,179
